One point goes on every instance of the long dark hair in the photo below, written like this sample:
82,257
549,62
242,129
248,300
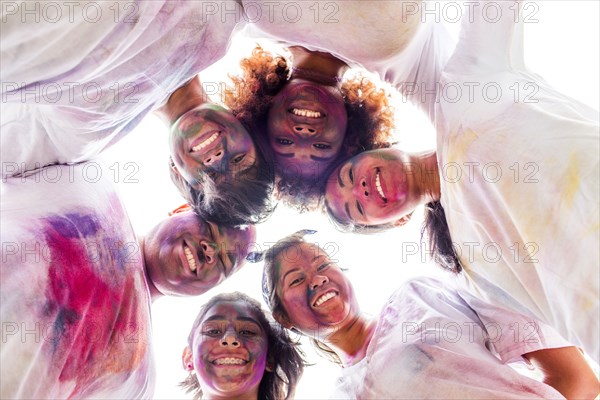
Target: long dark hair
284,354
440,242
435,225
269,287
242,199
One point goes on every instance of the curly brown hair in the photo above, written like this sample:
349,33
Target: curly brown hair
370,119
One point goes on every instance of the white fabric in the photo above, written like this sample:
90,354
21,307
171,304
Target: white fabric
396,39
102,66
520,182
432,342
75,306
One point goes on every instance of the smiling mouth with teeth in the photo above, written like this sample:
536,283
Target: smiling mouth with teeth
301,112
378,186
190,258
324,298
206,142
229,361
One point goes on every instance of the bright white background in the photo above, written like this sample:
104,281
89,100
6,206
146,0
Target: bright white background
562,47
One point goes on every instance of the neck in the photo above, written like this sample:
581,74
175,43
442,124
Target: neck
351,342
154,292
316,66
187,97
426,175
251,395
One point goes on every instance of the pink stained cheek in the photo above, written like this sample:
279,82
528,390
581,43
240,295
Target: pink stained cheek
275,122
260,363
202,366
241,242
296,306
238,140
209,378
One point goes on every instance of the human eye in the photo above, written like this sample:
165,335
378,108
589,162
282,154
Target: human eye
323,266
248,331
322,146
211,331
238,159
285,142
296,281
360,209
211,232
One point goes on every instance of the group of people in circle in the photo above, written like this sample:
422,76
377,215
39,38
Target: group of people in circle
294,128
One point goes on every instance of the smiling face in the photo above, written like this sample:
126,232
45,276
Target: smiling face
210,139
306,127
373,188
229,351
315,294
187,256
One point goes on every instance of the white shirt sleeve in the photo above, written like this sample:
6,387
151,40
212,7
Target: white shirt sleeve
511,334
491,36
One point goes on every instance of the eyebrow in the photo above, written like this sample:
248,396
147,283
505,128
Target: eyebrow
317,158
223,318
318,257
227,267
347,209
289,272
286,155
340,178
313,157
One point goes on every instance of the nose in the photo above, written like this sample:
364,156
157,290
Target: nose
230,339
213,157
305,130
208,251
361,189
318,280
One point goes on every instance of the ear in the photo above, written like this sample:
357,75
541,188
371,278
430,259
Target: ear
283,319
180,182
403,221
187,359
174,172
269,366
172,165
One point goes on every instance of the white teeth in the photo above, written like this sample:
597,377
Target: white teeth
378,186
229,361
306,113
190,258
324,298
205,143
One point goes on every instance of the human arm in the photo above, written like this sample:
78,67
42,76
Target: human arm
183,99
566,370
515,336
491,37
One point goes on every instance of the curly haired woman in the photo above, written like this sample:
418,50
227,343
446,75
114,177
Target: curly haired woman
308,116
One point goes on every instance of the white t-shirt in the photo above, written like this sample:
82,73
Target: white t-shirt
520,177
88,72
75,306
395,39
432,341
